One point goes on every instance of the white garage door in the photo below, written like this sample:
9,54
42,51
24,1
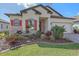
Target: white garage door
68,28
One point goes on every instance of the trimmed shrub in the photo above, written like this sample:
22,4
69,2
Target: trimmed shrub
58,32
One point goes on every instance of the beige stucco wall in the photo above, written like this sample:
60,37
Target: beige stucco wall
43,11
76,21
61,20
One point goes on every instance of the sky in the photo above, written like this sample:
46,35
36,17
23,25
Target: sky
66,9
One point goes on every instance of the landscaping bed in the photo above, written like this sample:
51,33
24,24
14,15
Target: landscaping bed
17,40
21,42
14,41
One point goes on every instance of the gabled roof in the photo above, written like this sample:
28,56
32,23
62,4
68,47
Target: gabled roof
32,8
25,10
47,8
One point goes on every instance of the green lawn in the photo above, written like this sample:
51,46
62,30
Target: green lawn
44,50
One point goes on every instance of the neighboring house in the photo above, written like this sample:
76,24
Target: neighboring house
38,18
4,25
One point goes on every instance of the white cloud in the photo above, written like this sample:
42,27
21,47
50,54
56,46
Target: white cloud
27,5
78,13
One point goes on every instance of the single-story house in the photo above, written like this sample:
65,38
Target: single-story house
4,25
38,17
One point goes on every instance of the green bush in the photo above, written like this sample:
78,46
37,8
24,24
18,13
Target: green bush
38,33
11,38
58,32
4,34
14,37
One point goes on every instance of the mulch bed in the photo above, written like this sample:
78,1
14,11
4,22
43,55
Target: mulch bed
22,41
32,41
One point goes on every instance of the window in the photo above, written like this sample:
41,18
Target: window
16,22
31,23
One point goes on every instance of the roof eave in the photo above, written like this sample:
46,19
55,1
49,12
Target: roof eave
12,14
62,17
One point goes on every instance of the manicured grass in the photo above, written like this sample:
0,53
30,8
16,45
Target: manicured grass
44,50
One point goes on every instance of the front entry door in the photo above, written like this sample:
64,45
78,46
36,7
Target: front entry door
42,25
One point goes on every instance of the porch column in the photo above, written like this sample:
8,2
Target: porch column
42,25
49,25
11,25
35,25
23,25
27,25
20,24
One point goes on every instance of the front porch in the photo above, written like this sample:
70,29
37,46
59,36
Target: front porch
41,25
